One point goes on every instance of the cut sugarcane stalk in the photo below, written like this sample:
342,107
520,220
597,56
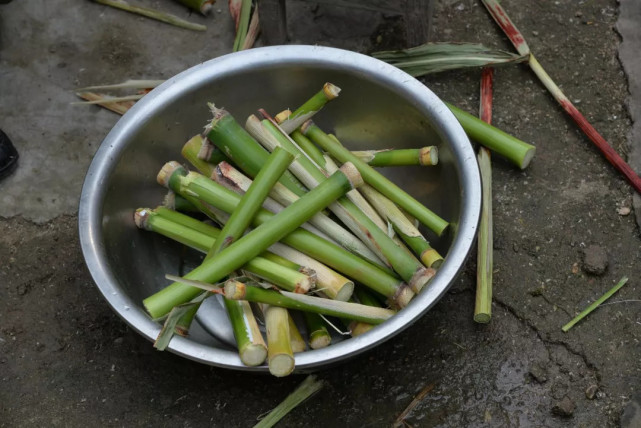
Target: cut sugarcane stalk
317,333
227,173
202,6
239,146
306,389
376,180
503,20
484,261
239,291
360,222
191,150
425,156
325,252
251,346
309,108
405,229
203,238
252,244
117,107
295,338
280,356
153,14
252,200
516,151
109,99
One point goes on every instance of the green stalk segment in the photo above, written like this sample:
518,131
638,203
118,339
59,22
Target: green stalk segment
595,305
404,227
238,291
483,306
307,388
317,248
280,356
153,14
317,333
176,202
365,298
360,221
252,200
425,156
376,180
191,150
515,150
309,108
308,147
250,245
202,6
202,240
239,146
251,346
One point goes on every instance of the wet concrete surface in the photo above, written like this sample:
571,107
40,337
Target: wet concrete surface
67,360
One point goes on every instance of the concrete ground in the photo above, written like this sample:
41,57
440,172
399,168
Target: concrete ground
67,360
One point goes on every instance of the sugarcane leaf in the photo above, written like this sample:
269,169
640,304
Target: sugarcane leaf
436,57
168,328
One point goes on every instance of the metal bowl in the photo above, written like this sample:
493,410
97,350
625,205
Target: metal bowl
380,107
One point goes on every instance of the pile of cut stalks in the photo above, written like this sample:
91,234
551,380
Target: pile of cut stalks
308,230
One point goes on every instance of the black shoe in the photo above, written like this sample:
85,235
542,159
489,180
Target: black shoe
8,156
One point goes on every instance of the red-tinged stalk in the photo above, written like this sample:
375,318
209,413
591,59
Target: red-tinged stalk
484,265
120,107
517,39
243,24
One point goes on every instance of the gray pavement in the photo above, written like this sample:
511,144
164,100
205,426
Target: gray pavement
67,360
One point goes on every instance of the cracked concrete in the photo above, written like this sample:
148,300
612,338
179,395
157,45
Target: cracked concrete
64,352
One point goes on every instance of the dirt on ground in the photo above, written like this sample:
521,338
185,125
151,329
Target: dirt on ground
67,360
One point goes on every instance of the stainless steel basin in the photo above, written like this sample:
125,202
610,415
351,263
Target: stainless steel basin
379,107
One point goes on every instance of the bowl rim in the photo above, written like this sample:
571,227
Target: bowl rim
422,98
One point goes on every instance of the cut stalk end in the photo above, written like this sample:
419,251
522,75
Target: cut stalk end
482,318
281,365
527,157
283,116
235,290
168,170
140,218
331,91
352,174
431,258
253,354
420,279
428,156
345,292
319,339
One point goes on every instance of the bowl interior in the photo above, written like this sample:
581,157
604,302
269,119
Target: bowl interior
379,107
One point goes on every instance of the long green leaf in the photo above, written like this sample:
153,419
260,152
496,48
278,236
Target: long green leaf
436,57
